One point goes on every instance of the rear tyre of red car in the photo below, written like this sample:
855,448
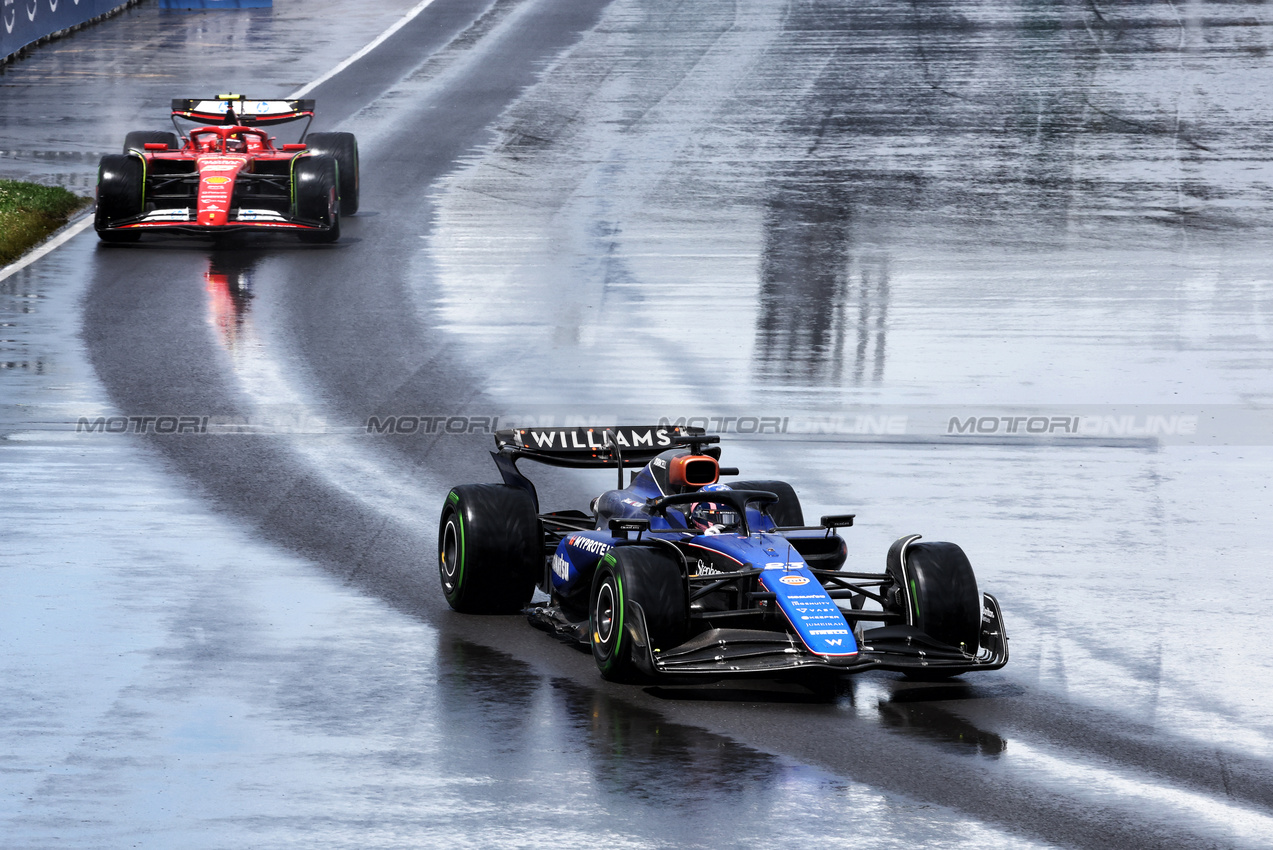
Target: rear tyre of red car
634,581
317,197
786,512
490,549
119,196
940,590
138,139
343,148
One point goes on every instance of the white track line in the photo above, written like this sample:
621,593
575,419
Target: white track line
83,224
384,36
48,247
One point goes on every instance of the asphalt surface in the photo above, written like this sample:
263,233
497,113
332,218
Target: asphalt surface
810,212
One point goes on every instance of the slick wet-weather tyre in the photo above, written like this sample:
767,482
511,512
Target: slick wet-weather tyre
635,585
490,549
315,180
786,512
938,592
120,186
138,139
343,148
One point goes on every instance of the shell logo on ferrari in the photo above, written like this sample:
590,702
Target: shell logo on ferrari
216,181
794,580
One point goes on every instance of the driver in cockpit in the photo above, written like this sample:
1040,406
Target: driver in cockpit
712,517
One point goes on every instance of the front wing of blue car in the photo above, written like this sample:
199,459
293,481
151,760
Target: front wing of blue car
740,653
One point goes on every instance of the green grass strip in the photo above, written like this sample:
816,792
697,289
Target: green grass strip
29,213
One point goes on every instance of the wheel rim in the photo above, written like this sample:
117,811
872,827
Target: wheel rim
449,555
605,611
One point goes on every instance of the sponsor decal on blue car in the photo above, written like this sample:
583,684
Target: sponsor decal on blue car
814,615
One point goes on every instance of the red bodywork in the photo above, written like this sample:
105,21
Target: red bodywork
228,174
220,155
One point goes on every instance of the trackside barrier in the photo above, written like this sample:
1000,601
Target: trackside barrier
24,23
215,4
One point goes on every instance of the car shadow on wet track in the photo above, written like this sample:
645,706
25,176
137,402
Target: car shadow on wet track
901,706
922,711
229,243
757,692
630,751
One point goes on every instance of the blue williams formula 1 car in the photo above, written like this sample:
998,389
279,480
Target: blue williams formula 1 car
677,577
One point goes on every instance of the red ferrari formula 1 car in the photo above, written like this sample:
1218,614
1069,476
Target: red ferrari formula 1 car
229,175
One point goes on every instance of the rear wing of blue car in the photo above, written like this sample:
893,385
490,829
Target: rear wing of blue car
594,447
613,447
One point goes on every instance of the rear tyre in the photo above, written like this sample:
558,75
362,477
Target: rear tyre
343,148
938,592
490,549
628,580
785,512
317,197
138,139
120,181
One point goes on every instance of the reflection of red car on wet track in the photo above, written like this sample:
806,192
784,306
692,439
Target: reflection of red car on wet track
229,175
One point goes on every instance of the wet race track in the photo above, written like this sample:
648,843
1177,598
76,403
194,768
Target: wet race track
868,222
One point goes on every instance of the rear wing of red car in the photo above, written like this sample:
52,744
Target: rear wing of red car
237,109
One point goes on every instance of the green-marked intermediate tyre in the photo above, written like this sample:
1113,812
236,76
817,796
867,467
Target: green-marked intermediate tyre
490,549
315,181
936,591
343,148
628,580
786,512
120,187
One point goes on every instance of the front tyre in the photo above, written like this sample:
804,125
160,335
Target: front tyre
343,148
935,586
120,187
635,585
314,182
490,549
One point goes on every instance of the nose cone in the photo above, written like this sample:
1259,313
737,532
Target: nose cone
217,175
